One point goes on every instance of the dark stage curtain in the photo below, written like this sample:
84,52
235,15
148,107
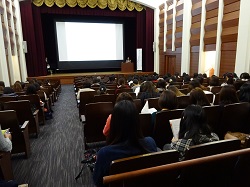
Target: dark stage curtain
139,33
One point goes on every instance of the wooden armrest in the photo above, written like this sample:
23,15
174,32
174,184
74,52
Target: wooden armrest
24,125
35,113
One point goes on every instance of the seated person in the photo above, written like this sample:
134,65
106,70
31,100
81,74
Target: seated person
245,92
102,90
148,90
121,85
124,140
228,95
198,97
194,130
86,87
120,97
8,91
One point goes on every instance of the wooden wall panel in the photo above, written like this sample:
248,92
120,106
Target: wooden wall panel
194,61
169,28
229,35
211,23
178,63
227,62
179,23
196,22
161,38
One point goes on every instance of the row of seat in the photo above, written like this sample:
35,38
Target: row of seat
21,115
219,163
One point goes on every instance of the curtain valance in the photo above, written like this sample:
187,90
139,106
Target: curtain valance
112,4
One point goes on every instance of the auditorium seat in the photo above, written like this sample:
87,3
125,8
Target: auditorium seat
146,124
85,98
105,98
35,102
153,103
213,114
19,132
183,101
24,113
96,115
162,132
6,172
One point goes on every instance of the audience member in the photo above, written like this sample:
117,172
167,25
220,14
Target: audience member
167,100
102,90
175,90
135,85
8,91
227,95
194,130
148,91
244,95
198,97
122,96
124,140
85,88
121,84
17,87
161,85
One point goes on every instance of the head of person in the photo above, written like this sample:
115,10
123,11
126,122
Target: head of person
167,100
124,125
214,81
96,80
102,89
8,90
86,84
161,84
245,92
121,81
228,95
135,82
31,89
2,84
17,87
124,96
245,75
194,84
198,97
193,122
174,89
148,86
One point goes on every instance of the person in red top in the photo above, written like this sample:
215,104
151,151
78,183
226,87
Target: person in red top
121,85
121,96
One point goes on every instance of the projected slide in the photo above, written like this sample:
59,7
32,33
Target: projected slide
82,41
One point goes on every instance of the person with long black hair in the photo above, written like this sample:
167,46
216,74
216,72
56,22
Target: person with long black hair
194,130
125,139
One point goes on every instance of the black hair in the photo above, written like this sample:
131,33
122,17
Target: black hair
245,92
124,126
193,123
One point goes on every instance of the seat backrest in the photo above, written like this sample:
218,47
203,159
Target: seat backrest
124,90
213,114
85,98
216,89
8,119
162,132
138,104
183,101
34,99
6,172
96,116
146,124
216,98
210,97
235,118
143,161
105,98
212,148
22,108
153,103
24,113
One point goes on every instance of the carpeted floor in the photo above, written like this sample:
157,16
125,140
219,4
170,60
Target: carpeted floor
58,151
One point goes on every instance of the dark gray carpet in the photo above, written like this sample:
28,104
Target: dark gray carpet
58,151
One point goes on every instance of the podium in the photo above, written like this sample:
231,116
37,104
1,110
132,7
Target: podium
127,67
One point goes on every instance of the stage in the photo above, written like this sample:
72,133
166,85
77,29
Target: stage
68,78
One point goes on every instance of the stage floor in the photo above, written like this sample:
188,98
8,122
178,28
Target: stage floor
68,78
